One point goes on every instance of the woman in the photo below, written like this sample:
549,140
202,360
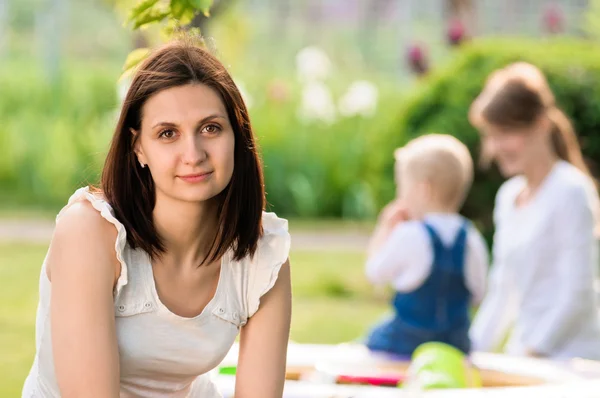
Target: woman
545,252
148,281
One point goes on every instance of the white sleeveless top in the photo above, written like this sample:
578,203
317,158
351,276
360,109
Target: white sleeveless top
162,354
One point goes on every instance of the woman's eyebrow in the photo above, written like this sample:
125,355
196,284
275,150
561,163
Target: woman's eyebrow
203,120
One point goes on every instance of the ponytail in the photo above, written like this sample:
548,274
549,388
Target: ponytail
564,139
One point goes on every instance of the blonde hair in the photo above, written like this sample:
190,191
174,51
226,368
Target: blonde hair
443,161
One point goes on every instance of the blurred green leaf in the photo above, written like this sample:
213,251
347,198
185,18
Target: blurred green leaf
179,7
151,15
135,57
592,19
188,16
202,5
141,7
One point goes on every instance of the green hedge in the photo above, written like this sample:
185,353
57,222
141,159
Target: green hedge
441,101
54,139
53,136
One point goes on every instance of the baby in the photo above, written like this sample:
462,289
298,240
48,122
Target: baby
434,258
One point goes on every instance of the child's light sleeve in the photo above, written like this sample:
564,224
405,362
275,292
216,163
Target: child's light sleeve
400,254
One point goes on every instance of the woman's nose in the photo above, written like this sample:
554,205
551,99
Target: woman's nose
193,151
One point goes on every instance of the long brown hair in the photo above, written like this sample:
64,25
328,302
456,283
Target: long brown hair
129,188
517,97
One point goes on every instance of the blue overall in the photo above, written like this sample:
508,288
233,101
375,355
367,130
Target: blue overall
436,311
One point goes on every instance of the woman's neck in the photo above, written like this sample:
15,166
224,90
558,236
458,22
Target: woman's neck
187,229
537,173
535,177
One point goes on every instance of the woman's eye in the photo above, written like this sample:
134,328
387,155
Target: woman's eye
212,129
167,134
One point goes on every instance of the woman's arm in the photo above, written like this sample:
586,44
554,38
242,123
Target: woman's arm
82,266
572,269
499,307
496,314
407,252
263,343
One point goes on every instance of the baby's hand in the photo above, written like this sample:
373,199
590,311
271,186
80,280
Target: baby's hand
394,213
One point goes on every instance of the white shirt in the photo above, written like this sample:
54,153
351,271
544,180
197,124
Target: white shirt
545,264
162,354
405,259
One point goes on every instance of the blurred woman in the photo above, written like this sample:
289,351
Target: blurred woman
545,253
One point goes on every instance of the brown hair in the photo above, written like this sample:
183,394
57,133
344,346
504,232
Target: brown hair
517,97
129,188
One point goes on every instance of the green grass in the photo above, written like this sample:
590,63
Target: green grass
332,303
334,225
19,272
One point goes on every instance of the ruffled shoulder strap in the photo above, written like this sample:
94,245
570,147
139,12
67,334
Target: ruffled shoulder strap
273,251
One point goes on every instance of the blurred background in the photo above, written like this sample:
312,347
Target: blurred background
333,86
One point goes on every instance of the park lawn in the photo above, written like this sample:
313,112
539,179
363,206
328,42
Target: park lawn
332,303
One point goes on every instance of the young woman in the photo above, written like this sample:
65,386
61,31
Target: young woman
545,250
149,279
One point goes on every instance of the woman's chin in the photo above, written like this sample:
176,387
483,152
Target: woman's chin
509,170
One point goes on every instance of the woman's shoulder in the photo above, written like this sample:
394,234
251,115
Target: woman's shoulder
82,218
87,209
569,181
510,188
87,221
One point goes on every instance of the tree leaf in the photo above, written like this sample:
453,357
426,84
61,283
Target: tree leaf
151,15
178,8
135,58
187,16
140,7
202,5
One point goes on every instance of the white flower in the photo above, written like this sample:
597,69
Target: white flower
248,100
312,64
360,99
317,103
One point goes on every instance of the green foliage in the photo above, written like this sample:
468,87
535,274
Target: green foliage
172,16
315,169
592,19
134,58
53,137
440,102
147,12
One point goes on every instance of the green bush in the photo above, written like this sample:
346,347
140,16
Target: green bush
441,101
53,136
54,139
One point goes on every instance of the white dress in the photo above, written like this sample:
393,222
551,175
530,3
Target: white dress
162,354
545,262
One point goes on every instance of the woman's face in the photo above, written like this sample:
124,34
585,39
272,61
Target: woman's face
513,150
187,143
